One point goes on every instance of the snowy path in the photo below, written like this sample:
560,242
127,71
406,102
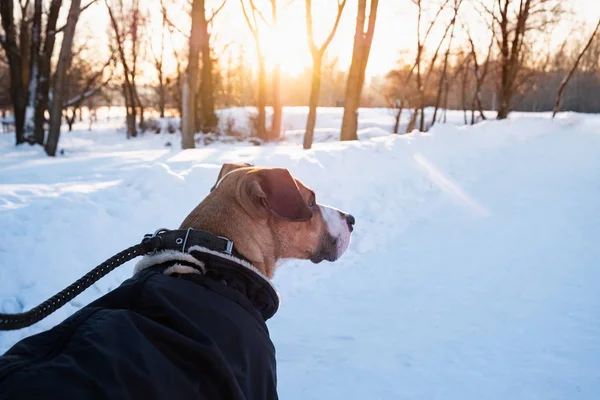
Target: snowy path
474,271
462,304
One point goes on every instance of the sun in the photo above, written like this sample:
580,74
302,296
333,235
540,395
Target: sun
286,45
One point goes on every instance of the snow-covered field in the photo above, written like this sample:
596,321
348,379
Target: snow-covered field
474,271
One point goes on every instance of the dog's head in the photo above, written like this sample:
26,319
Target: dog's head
279,211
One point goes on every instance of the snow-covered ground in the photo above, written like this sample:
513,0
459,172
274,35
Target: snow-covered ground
474,271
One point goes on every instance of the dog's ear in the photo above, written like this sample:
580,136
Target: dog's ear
227,168
276,190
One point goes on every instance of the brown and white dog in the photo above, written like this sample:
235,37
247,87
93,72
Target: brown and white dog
191,323
271,217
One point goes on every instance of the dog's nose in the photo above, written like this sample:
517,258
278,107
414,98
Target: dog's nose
350,220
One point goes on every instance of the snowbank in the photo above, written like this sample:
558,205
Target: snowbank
473,271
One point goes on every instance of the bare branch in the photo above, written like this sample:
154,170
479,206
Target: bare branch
491,12
434,20
82,9
87,6
216,12
89,91
566,79
256,10
253,28
24,7
173,26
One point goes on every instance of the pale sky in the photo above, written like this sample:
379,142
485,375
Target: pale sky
394,33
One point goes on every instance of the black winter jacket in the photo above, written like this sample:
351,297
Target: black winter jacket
155,337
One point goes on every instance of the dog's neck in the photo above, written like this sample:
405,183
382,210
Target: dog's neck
249,239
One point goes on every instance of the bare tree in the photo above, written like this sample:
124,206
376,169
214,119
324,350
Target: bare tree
513,21
13,55
174,84
464,70
44,72
252,21
135,25
452,24
32,55
480,72
208,117
398,90
84,81
356,75
34,69
64,61
159,63
567,77
25,30
190,80
276,83
125,27
199,44
317,54
421,79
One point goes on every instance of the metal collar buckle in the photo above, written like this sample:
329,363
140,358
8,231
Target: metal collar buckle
228,245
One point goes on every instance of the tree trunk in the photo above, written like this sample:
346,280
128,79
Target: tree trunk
25,47
161,93
17,89
262,98
413,120
191,83
277,107
187,141
45,63
71,119
160,64
132,114
64,62
351,104
128,85
397,118
142,117
137,103
208,116
504,96
356,75
445,111
34,68
313,101
276,86
317,54
464,91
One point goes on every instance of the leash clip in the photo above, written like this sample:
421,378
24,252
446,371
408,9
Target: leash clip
150,236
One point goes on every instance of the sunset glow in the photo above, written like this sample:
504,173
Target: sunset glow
287,44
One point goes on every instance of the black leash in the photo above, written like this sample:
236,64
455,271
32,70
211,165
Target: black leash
162,239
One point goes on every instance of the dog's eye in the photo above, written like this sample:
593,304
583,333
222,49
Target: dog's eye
311,204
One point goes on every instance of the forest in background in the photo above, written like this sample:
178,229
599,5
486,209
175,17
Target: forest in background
165,57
